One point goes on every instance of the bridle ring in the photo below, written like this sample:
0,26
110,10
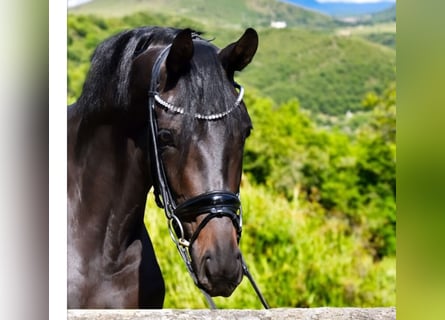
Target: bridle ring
178,239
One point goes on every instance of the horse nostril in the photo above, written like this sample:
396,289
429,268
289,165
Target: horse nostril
208,261
207,257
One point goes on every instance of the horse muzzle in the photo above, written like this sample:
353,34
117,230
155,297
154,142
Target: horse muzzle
215,255
219,274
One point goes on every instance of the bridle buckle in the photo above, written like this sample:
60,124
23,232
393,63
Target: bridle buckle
183,242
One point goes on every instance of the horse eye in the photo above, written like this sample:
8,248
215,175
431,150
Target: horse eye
165,138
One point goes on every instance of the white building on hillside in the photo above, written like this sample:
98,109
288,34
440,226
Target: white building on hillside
278,24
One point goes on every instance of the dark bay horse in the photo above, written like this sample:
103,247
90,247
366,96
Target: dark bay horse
159,108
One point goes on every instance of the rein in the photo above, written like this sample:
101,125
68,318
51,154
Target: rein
215,203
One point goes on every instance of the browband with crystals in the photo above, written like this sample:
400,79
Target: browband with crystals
200,116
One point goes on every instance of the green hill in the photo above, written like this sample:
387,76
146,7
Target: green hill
227,14
326,72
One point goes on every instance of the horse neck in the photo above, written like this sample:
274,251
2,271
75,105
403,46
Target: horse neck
108,181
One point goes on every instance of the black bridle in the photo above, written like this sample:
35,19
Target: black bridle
215,203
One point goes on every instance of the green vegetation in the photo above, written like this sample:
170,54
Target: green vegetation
387,39
318,188
381,33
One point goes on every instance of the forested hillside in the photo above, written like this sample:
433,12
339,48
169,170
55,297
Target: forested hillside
319,200
326,73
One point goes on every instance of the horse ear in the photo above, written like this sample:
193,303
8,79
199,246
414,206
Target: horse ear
236,56
181,52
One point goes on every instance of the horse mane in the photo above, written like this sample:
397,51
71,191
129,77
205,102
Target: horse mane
111,62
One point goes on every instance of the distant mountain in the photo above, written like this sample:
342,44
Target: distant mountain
228,13
341,9
385,15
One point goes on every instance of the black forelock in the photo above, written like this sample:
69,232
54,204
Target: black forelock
206,89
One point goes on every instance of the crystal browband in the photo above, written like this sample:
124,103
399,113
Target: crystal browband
200,116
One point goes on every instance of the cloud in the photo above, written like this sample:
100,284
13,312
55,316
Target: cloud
355,1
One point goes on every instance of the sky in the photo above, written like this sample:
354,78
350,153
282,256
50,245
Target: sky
355,1
72,3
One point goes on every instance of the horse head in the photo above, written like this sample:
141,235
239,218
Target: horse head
199,126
